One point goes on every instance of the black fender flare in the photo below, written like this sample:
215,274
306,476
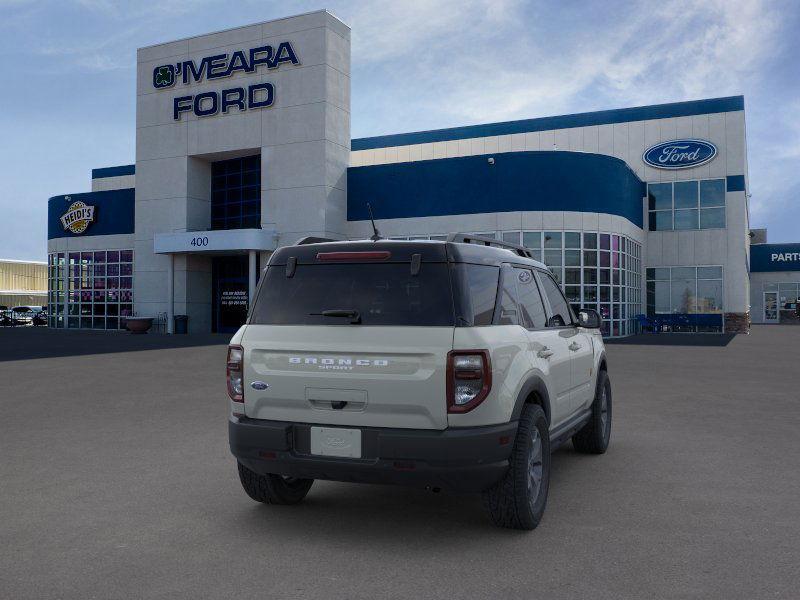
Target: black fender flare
534,384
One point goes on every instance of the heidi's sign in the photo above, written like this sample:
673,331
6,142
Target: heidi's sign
78,217
679,154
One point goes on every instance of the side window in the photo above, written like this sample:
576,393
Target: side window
561,313
530,301
482,290
507,298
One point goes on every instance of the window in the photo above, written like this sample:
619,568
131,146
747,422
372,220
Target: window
561,313
97,288
686,205
691,293
530,301
382,294
236,193
478,293
508,299
597,270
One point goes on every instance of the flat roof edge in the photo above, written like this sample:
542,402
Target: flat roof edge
602,117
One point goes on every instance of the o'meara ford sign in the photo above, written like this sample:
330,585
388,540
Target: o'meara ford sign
220,66
679,154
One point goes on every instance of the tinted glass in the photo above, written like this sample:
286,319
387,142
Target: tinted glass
709,272
383,294
712,192
686,194
709,296
511,237
532,239
712,218
530,302
552,239
659,196
661,220
686,219
508,299
558,304
478,293
572,239
683,295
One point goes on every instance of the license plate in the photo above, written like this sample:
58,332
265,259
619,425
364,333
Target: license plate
332,441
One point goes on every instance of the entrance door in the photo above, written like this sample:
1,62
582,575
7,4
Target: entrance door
230,293
770,307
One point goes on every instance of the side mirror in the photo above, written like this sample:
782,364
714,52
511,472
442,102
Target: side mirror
589,318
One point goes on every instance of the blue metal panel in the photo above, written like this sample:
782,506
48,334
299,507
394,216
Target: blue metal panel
113,171
736,183
765,258
603,117
537,181
113,213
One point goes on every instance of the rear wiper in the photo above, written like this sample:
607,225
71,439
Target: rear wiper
353,315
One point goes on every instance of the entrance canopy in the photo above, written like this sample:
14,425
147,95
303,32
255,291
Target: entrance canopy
222,240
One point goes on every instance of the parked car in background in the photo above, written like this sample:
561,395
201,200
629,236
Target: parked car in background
40,317
5,316
24,315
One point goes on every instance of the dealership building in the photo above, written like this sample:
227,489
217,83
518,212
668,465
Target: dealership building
243,145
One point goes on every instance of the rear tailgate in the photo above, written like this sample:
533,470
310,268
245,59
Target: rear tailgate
369,376
351,334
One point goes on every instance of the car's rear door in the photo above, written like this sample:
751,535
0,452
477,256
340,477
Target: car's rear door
549,351
383,365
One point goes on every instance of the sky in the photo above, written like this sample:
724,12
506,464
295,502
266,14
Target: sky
68,75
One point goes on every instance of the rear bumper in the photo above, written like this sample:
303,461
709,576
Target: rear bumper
469,459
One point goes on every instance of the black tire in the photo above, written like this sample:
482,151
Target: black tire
273,489
518,500
596,434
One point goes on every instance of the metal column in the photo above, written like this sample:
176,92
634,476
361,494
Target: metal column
251,278
171,294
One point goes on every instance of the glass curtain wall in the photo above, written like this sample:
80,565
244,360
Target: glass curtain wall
683,205
236,193
788,297
686,291
98,290
596,270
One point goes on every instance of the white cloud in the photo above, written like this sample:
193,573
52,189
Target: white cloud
495,63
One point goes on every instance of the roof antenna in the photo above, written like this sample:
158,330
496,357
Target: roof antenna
377,234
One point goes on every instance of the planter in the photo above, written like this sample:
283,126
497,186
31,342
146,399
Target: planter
138,324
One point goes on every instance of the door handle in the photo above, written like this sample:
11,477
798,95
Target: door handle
545,352
574,346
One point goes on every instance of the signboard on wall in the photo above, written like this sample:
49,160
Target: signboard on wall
78,217
774,257
679,154
221,66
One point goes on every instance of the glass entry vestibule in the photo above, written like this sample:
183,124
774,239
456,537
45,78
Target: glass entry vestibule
781,303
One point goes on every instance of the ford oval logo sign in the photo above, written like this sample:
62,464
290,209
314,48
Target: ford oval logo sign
679,154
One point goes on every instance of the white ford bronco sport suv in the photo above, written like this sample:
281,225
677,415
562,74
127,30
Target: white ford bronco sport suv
454,365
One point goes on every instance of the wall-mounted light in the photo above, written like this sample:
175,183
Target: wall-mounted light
490,160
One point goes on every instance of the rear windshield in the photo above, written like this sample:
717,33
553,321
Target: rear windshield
382,294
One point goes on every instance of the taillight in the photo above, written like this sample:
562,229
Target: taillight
469,379
235,373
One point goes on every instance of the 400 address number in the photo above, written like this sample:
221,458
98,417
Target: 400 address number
200,241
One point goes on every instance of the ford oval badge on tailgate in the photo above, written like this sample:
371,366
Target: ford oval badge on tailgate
259,385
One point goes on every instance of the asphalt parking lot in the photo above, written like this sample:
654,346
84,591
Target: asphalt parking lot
116,482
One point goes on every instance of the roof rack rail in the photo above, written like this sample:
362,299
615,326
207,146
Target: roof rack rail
311,239
468,238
